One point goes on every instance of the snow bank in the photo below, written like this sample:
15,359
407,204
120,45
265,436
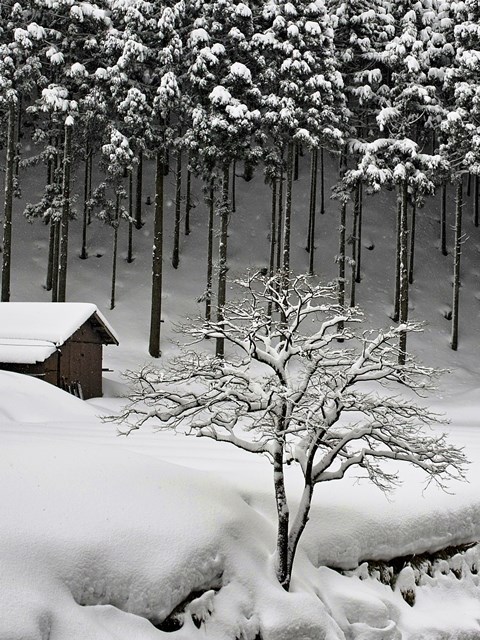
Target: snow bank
101,542
120,540
25,399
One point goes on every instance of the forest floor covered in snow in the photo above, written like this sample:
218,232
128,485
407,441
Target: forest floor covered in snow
105,536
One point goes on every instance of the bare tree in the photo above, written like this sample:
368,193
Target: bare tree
291,393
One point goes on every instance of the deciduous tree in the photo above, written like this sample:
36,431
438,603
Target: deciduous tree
291,394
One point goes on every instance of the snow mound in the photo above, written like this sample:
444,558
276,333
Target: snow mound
121,541
25,399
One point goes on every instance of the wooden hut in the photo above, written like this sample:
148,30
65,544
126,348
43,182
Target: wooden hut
60,343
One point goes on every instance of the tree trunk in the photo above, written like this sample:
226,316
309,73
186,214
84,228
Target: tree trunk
273,228
413,227
443,220
222,259
313,212
211,218
356,215
83,251
8,202
298,527
18,134
322,182
56,258
130,218
234,187
475,201
138,195
63,258
51,251
403,292
469,185
282,565
358,266
287,223
280,217
295,162
342,257
456,262
157,257
178,212
90,172
115,251
188,199
396,294
51,236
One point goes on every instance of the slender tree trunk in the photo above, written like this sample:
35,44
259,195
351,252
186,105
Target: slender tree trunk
322,182
342,244
130,218
166,160
83,252
296,159
56,259
64,223
90,173
469,185
298,526
287,223
475,201
51,250
211,218
356,215
283,517
51,237
280,217
403,303
273,228
222,259
456,262
178,211
8,202
139,189
310,214
342,249
358,266
413,227
234,187
18,134
313,211
116,223
443,220
188,199
396,298
157,257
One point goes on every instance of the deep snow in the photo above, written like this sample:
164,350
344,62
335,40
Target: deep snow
100,532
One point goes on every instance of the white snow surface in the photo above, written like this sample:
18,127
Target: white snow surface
102,535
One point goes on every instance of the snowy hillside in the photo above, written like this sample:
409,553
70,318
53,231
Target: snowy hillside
104,522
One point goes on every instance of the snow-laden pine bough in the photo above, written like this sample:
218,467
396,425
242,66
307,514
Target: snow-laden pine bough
298,386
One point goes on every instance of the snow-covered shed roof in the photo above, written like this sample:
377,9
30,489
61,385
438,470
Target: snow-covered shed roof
31,331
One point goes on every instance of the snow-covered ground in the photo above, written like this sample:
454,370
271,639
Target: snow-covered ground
103,535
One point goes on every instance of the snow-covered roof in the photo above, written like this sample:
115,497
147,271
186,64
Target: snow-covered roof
31,331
